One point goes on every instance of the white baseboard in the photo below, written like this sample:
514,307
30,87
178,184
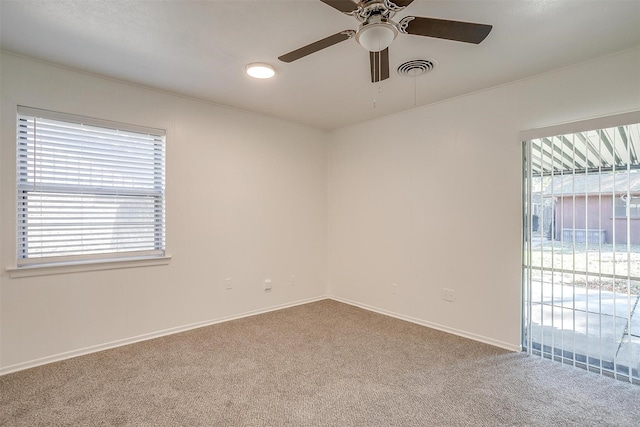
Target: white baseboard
144,337
458,332
119,343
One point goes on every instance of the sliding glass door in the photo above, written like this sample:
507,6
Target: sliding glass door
581,255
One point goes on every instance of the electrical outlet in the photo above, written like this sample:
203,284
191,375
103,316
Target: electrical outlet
394,288
292,282
267,284
228,283
448,294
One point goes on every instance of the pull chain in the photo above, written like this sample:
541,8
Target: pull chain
377,65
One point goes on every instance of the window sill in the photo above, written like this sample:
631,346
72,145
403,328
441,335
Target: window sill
77,267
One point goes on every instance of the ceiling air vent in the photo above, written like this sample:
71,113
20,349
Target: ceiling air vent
416,67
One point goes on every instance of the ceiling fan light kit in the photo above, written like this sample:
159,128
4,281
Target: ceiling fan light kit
259,70
377,31
376,36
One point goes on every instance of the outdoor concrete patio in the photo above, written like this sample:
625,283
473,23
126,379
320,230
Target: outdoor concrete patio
600,325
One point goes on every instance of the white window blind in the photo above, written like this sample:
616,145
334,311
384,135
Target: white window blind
88,189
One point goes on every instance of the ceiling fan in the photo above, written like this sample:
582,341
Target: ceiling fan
377,30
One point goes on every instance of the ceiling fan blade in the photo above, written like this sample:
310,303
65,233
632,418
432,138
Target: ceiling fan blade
468,32
319,45
345,6
402,3
379,62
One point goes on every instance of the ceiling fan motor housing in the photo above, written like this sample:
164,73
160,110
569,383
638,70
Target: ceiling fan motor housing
367,9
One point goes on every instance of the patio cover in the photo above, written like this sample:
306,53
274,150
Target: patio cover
611,149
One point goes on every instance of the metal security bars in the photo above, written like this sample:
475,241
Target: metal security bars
581,258
87,189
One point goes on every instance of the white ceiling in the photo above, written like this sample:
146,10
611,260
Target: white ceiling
200,49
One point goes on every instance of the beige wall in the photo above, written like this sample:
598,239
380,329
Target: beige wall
246,199
251,197
430,198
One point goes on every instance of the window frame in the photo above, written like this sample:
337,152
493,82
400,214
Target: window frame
113,256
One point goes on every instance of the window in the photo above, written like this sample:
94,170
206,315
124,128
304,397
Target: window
87,189
634,206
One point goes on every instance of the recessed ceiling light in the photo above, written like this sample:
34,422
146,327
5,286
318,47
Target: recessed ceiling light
259,70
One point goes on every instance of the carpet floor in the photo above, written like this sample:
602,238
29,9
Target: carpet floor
318,364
